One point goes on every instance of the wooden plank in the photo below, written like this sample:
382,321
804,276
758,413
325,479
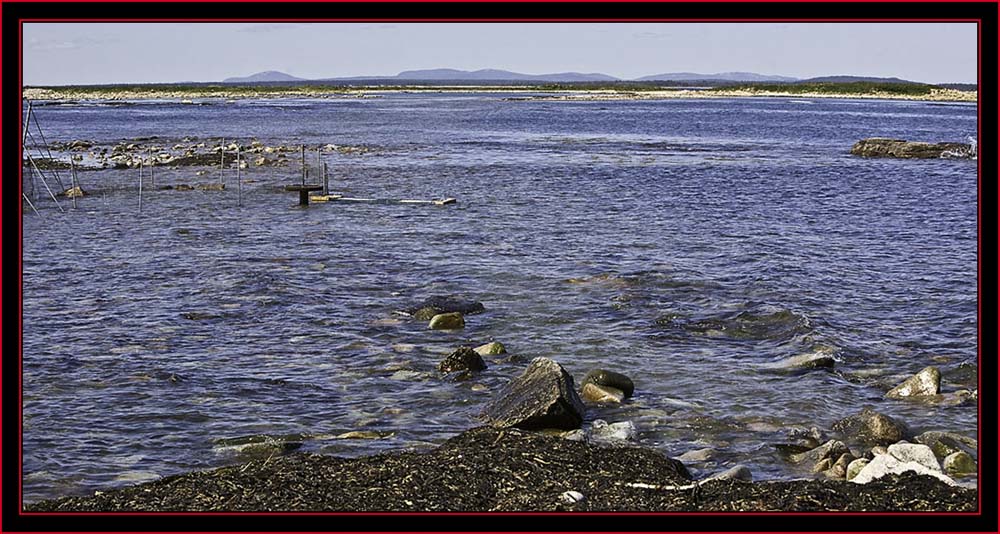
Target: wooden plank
326,198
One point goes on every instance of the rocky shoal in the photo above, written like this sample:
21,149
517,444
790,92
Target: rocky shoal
492,469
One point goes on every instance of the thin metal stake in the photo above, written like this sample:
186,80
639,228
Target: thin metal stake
32,206
152,178
239,177
222,166
326,181
46,184
303,147
72,168
140,186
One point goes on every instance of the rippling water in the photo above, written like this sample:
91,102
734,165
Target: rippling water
684,243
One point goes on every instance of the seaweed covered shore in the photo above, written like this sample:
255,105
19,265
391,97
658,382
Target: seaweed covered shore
486,469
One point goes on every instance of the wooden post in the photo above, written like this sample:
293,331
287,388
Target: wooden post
239,178
140,185
72,178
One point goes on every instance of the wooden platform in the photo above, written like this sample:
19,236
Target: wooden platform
340,198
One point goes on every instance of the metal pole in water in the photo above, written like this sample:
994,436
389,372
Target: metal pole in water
326,181
239,177
72,177
303,148
140,186
32,206
152,178
46,184
222,164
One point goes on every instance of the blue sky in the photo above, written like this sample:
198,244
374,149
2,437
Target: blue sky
96,53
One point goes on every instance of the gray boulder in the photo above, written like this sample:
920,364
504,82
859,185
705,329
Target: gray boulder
871,428
946,443
832,450
925,383
542,397
878,147
463,359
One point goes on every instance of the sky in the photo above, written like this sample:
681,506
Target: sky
103,53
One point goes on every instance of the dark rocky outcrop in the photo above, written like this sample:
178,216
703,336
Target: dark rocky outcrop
871,428
444,304
463,359
542,397
491,470
878,147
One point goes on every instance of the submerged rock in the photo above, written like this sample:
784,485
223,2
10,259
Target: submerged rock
259,445
819,359
445,304
925,383
871,428
877,147
610,379
542,397
756,323
736,472
74,192
463,359
447,321
211,187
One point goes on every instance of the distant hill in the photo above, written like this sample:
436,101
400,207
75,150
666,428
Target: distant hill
501,75
852,79
266,76
720,76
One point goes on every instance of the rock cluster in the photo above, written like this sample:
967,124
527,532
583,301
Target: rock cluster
878,147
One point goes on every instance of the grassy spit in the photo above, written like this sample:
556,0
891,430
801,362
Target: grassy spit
581,91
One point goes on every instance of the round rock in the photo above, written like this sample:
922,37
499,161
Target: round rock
605,378
463,359
447,321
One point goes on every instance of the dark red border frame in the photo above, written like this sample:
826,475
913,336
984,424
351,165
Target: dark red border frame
590,516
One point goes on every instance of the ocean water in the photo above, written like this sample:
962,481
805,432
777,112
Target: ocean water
688,244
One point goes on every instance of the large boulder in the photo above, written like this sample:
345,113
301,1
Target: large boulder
925,383
947,443
871,428
542,397
878,147
901,458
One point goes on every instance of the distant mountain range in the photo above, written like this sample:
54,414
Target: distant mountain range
719,77
495,75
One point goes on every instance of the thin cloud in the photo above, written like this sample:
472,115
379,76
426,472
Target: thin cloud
267,28
652,35
37,44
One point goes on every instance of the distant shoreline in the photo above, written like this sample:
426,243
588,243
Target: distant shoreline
581,95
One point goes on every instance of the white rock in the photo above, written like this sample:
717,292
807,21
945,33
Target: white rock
926,382
571,497
886,464
601,430
913,452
